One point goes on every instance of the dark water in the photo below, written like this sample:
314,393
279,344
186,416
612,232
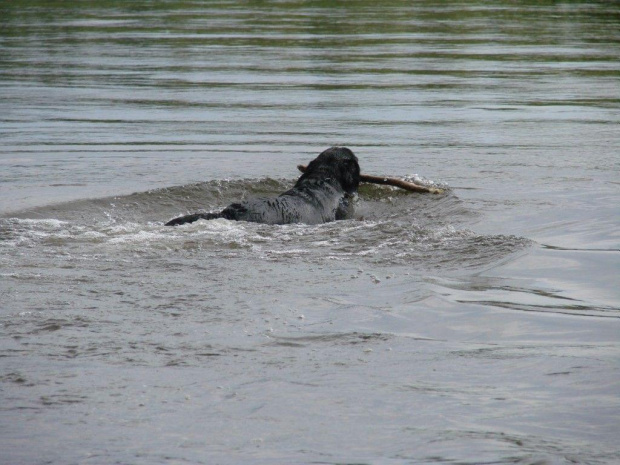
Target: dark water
478,326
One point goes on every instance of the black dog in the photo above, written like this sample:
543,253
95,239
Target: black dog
325,192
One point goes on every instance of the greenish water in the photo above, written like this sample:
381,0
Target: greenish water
480,326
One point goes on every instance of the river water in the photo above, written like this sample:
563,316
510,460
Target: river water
477,326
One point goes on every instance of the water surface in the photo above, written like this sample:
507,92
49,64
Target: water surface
478,326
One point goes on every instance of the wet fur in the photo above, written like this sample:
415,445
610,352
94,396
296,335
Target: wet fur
325,192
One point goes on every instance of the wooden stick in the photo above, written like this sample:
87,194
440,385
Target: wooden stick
409,186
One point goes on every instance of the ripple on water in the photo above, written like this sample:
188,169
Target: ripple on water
393,228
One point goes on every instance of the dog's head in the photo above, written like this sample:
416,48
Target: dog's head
337,163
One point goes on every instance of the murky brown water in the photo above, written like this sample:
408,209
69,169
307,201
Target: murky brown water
479,326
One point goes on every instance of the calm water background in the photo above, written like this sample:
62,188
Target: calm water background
480,326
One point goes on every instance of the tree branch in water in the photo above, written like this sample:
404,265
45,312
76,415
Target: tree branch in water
392,182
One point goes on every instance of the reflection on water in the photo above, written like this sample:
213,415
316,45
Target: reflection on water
475,327
86,85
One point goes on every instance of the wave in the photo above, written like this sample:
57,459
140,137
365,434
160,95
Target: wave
392,227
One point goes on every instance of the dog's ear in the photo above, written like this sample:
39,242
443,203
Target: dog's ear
310,169
349,171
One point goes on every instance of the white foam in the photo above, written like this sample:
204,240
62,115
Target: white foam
137,237
45,222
